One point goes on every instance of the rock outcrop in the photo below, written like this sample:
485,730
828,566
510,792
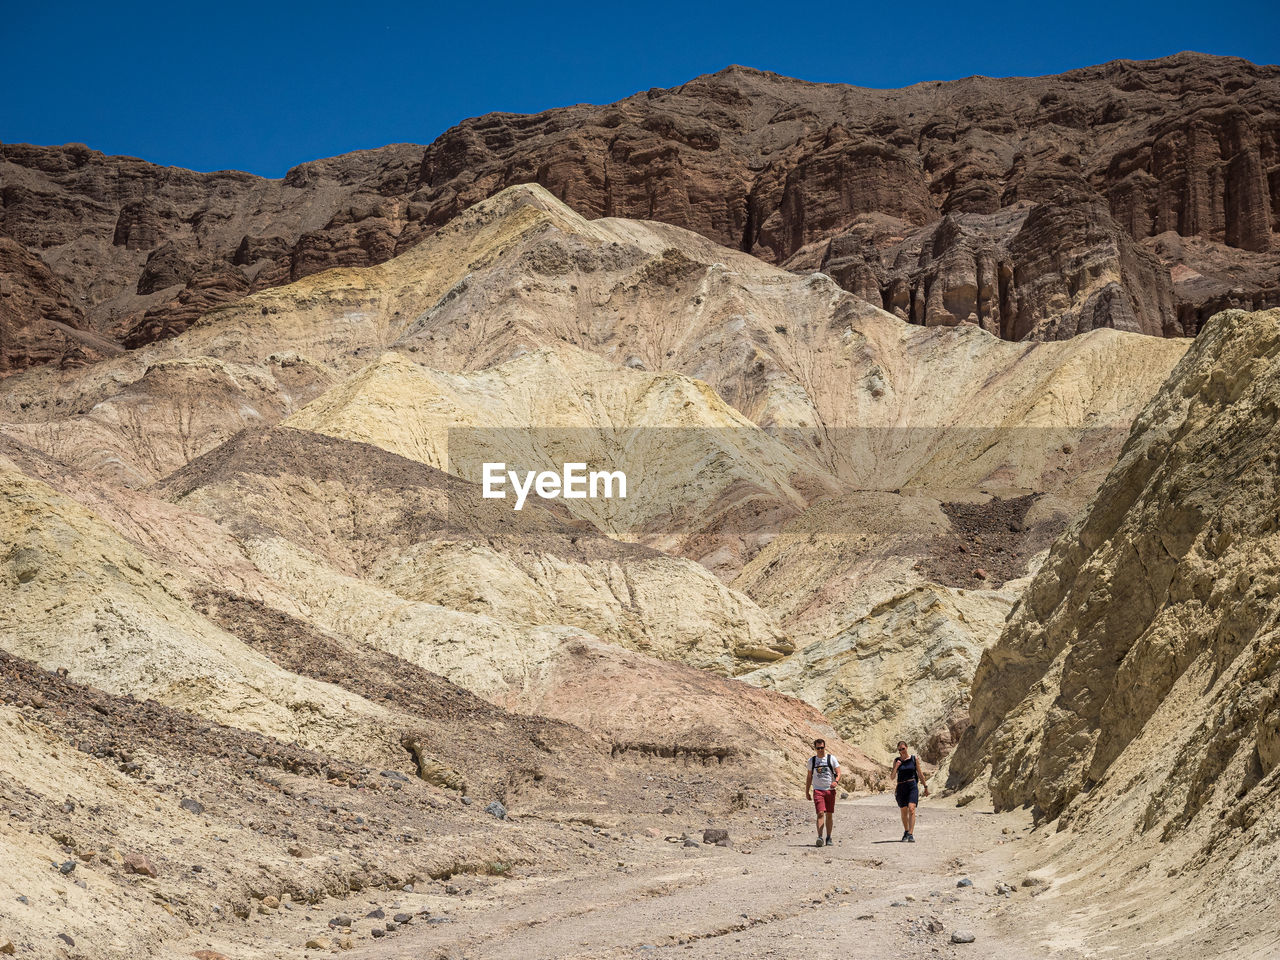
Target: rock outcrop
1025,201
249,630
1045,271
142,250
246,572
426,543
38,322
1135,692
667,315
792,434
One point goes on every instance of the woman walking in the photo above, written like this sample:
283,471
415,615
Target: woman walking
909,774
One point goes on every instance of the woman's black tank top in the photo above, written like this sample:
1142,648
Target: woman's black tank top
907,770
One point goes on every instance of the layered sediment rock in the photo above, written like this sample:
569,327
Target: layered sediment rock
901,672
1046,271
38,322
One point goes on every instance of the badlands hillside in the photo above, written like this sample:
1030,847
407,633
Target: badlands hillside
799,458
270,658
1139,196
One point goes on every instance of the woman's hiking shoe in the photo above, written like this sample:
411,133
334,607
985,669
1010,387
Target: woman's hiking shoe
819,843
905,836
911,838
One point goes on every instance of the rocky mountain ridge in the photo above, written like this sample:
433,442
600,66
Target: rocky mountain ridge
1137,195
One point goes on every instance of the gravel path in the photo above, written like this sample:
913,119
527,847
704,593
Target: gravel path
771,894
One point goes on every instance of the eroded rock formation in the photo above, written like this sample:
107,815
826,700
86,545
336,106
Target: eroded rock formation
38,322
1135,691
291,448
1037,207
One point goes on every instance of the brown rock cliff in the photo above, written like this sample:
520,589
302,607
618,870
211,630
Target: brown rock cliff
1138,195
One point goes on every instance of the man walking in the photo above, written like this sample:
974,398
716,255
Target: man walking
820,786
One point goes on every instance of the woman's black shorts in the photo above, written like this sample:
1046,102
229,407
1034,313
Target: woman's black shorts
908,793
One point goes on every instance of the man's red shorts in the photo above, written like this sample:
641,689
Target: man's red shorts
825,800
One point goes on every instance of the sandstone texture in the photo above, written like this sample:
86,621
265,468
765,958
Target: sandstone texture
1029,271
1132,696
901,672
1139,196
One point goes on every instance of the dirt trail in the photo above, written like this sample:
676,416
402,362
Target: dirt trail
770,895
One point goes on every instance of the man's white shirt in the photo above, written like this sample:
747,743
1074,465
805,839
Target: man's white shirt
824,770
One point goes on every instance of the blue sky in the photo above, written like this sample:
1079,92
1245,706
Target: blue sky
261,87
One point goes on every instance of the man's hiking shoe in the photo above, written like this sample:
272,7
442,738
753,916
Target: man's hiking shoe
830,842
819,843
905,836
911,838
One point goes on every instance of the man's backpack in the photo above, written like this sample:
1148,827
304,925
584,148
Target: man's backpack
813,765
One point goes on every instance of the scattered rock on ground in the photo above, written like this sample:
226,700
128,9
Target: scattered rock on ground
141,865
